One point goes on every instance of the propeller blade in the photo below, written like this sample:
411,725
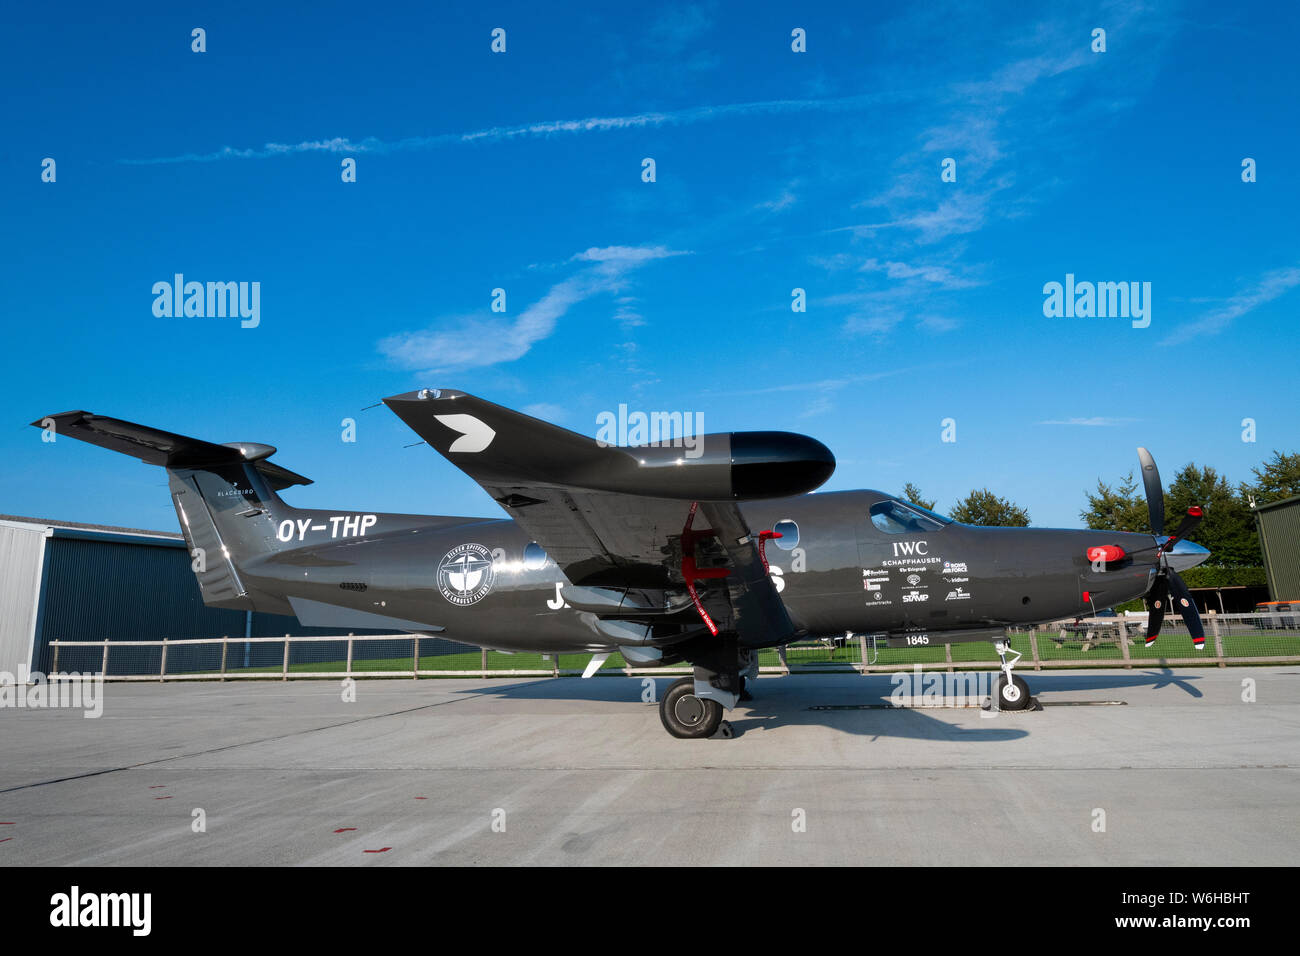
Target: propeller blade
1156,600
1155,491
1186,526
1187,608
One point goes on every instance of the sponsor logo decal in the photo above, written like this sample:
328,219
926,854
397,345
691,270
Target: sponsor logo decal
954,567
911,596
958,595
465,574
909,564
914,579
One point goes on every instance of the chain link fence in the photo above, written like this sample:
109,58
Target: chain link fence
1089,642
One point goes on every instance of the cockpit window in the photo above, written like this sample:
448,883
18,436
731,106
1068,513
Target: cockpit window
894,517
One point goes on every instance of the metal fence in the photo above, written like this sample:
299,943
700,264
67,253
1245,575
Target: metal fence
1090,642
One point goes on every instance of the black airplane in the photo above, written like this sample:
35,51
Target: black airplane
663,553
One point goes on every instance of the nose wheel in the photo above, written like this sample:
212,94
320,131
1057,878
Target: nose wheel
1012,691
1013,694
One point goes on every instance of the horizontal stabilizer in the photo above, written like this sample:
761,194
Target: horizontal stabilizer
167,449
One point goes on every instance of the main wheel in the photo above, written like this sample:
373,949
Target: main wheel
687,716
1013,695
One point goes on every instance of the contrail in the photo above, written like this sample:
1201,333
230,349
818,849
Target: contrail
496,134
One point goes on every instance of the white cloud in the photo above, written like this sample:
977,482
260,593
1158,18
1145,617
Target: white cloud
547,411
473,341
938,275
496,134
626,254
1269,287
1095,421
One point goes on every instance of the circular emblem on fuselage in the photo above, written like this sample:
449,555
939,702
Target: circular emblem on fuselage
465,575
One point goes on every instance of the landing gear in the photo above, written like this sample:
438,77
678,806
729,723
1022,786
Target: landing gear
1012,694
693,706
686,716
1012,691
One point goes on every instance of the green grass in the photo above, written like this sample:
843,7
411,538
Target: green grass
815,656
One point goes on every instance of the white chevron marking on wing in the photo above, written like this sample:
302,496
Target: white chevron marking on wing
474,434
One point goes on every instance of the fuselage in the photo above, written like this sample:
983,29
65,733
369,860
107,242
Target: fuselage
854,567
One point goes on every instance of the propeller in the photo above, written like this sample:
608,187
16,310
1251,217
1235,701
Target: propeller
1167,583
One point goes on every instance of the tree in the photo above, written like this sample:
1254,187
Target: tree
1279,479
913,494
985,508
1117,509
1228,528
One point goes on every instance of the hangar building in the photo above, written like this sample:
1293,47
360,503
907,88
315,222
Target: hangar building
1279,539
60,580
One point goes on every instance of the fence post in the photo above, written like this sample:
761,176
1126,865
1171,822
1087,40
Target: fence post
484,663
103,667
1033,647
780,653
56,656
1218,637
1123,644
162,667
947,656
862,643
415,660
555,665
225,647
284,674
349,671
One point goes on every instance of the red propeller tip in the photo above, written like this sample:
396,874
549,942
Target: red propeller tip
1195,511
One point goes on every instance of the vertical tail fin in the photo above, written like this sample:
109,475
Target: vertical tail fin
224,495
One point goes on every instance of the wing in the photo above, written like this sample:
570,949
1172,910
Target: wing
639,531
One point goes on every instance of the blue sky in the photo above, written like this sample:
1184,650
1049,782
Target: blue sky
775,170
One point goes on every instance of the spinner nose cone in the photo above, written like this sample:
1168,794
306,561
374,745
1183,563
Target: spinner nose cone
1184,554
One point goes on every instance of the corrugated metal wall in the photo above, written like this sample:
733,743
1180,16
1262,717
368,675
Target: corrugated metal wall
101,588
20,575
97,589
1279,533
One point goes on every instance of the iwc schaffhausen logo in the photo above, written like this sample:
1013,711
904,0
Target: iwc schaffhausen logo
465,575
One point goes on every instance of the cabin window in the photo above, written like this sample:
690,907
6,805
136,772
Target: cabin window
534,556
789,532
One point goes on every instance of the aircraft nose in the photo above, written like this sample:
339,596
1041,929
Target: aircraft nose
1185,554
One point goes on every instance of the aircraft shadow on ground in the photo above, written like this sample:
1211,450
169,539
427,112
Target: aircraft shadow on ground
776,706
1156,679
857,705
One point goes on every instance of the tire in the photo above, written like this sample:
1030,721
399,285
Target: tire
1013,696
686,716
